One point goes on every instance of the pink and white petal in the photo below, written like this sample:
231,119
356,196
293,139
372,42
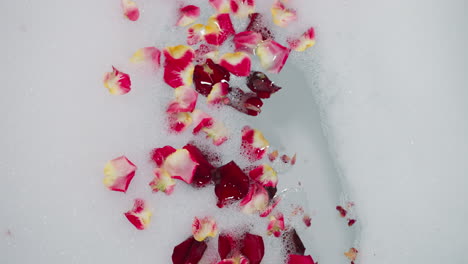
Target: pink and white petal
272,55
205,52
256,200
117,82
218,94
242,8
119,172
271,206
201,120
178,70
130,10
139,216
178,122
265,175
159,155
254,144
204,228
185,100
221,6
306,41
181,55
218,29
282,16
195,34
247,41
180,165
162,182
237,63
276,225
217,132
188,15
148,54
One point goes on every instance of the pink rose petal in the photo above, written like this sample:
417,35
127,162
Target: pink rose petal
130,10
272,55
162,181
178,70
181,165
276,225
235,260
242,8
213,129
203,228
139,216
188,15
237,63
273,155
307,220
178,122
185,100
282,16
247,41
218,94
218,29
195,34
306,41
265,175
119,172
299,259
256,200
221,6
148,54
201,120
117,82
254,144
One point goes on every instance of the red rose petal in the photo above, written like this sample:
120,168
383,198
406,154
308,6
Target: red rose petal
203,228
307,220
237,63
119,172
253,248
254,145
260,84
204,169
231,183
351,222
306,41
225,245
221,6
181,165
265,175
150,54
341,210
189,251
162,181
247,103
296,246
139,216
218,29
207,75
276,225
178,69
158,155
299,259
178,122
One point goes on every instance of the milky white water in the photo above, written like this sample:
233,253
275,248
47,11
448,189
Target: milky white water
384,83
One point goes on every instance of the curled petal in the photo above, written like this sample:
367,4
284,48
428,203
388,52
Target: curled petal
178,70
150,54
185,101
188,15
300,259
218,94
162,181
256,200
178,122
282,16
276,225
208,74
119,173
247,41
237,63
159,155
130,10
254,143
195,34
306,41
272,55
221,6
218,29
203,228
117,82
242,8
260,84
265,175
181,165
139,216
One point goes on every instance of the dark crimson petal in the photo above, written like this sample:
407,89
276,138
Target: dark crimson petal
260,84
208,74
225,245
271,192
247,103
298,259
203,174
231,183
158,155
341,210
253,248
188,252
258,25
292,238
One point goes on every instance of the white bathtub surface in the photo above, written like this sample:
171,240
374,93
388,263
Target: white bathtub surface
389,80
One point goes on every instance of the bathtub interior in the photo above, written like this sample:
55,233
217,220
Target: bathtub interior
61,127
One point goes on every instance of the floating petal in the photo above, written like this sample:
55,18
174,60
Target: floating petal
254,143
306,41
237,63
242,8
272,55
139,216
265,175
282,16
117,82
188,15
130,10
162,181
119,173
203,228
218,29
247,41
185,100
180,165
